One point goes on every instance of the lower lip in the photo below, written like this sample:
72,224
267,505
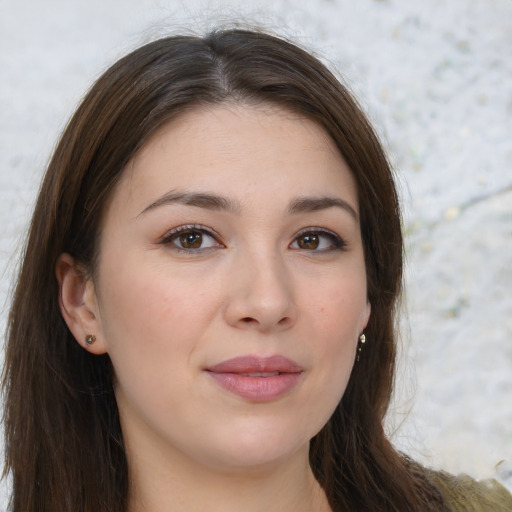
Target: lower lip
257,389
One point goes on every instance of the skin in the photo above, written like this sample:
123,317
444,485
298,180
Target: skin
254,283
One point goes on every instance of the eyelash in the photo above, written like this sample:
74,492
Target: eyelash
174,234
338,244
336,241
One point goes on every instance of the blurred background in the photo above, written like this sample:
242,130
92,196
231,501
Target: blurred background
436,80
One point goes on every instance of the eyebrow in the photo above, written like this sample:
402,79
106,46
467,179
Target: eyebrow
201,200
313,204
221,203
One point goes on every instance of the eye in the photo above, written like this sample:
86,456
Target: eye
191,239
318,240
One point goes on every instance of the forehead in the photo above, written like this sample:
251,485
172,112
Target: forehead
240,150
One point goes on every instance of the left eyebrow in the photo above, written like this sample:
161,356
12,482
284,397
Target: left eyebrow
313,204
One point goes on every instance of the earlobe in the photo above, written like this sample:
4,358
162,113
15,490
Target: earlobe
78,304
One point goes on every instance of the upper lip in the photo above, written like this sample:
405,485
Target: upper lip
257,364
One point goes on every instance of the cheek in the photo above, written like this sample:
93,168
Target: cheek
340,308
152,327
335,343
155,324
145,302
335,317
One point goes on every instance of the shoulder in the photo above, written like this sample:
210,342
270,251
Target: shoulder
464,494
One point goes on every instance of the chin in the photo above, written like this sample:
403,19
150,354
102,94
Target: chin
257,447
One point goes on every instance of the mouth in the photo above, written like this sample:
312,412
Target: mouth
260,374
257,379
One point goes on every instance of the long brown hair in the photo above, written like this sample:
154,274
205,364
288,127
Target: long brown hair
64,445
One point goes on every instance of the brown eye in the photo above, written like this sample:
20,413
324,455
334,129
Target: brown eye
310,241
191,240
318,241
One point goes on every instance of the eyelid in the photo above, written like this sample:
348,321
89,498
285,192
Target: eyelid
174,232
338,242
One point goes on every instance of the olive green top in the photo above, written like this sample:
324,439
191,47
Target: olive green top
463,494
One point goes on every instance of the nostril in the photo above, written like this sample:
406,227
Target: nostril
251,321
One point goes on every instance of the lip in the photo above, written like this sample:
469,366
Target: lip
255,378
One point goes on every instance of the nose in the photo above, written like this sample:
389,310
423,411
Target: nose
261,295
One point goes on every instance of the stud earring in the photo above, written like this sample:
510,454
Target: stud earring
90,339
362,341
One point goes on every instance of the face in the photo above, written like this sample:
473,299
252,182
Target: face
231,290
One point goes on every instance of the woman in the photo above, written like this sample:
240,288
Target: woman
204,317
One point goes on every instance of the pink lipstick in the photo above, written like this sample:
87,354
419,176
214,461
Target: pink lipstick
258,379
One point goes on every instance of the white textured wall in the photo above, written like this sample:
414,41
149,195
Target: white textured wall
436,78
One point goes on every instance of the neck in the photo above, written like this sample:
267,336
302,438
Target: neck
184,485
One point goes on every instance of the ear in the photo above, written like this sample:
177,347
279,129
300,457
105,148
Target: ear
78,304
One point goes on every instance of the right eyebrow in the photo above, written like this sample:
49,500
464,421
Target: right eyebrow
201,200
